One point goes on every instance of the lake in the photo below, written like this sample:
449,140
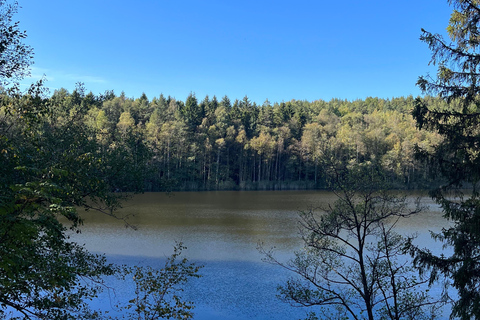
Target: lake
221,231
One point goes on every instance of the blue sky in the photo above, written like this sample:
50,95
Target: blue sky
280,50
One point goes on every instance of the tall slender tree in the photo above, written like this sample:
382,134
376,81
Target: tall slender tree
456,157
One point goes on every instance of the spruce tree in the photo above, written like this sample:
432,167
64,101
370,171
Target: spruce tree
457,157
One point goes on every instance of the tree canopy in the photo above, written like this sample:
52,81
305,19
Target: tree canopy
73,150
242,145
15,56
52,164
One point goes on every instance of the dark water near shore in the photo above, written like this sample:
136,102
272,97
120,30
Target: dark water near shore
222,231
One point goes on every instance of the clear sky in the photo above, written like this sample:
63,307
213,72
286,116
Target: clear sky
280,50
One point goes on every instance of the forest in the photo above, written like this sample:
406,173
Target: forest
238,145
68,151
63,151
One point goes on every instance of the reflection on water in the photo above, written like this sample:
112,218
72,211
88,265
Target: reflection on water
213,225
222,231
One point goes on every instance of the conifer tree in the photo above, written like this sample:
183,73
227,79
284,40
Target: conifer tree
456,158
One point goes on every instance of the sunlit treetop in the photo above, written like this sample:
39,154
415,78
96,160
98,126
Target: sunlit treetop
15,56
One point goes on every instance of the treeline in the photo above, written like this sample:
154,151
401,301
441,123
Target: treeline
213,144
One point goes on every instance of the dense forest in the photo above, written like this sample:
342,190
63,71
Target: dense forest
228,145
65,151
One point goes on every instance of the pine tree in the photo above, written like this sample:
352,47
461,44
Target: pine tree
456,158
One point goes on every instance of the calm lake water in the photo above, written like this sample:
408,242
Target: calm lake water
222,231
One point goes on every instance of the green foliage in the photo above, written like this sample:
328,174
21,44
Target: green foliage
58,156
456,156
212,145
208,145
51,164
15,56
158,291
193,112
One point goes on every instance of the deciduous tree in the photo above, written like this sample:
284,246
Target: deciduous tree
15,55
353,264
